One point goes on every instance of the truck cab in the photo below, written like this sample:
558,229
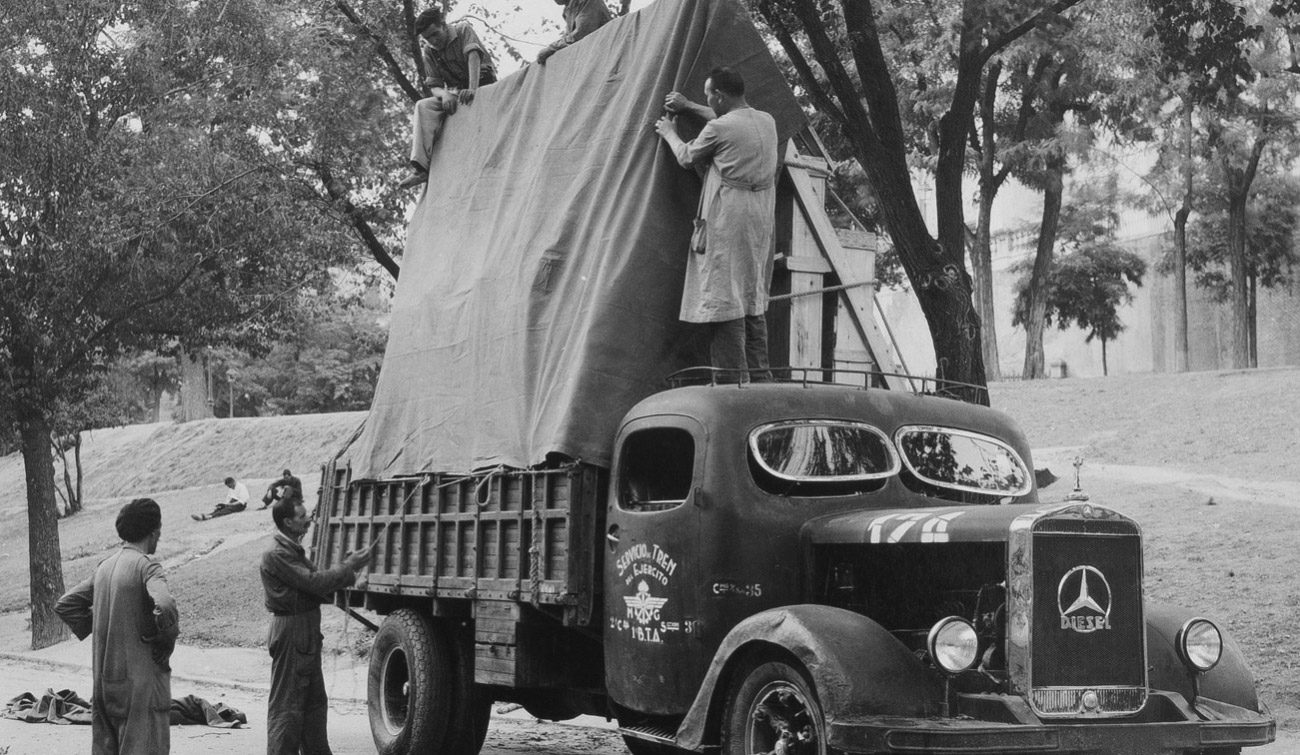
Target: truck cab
828,567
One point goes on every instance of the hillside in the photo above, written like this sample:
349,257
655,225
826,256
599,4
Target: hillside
1204,461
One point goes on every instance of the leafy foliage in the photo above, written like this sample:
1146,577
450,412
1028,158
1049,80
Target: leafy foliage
329,364
1270,238
1088,283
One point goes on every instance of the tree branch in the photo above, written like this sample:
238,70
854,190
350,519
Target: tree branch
996,44
337,193
816,91
381,50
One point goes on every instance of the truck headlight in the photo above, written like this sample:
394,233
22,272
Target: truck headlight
953,644
1199,644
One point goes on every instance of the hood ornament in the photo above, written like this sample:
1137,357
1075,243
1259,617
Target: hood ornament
1077,494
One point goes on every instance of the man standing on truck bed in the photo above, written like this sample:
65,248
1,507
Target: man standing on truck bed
298,706
457,65
728,274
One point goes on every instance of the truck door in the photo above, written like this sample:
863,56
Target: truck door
654,656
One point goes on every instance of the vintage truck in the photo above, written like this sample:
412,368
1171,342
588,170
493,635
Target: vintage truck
792,566
567,517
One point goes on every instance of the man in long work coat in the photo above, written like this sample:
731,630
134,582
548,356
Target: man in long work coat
298,706
727,280
127,607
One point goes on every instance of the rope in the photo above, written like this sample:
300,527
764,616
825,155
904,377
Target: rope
826,290
346,638
535,557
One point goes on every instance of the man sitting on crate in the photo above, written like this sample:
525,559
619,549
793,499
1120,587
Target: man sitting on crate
295,590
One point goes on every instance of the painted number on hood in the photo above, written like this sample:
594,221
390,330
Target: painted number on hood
894,528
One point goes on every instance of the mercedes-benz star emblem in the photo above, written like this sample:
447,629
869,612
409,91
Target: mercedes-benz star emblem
1083,598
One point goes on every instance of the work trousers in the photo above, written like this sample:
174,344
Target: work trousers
426,124
740,345
133,718
297,709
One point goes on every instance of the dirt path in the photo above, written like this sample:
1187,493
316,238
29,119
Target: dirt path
1219,487
348,724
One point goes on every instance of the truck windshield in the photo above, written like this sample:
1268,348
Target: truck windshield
961,460
822,451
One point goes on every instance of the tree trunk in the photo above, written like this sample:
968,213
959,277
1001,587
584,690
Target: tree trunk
44,551
195,403
1239,180
1105,369
1252,321
1181,348
1037,315
981,252
1239,298
981,257
76,456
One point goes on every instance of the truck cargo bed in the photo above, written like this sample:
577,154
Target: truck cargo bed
514,536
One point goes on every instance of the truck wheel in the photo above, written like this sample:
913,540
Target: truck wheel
411,685
773,703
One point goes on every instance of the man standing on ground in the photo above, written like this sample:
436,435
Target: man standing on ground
236,501
457,65
127,606
727,279
298,706
581,17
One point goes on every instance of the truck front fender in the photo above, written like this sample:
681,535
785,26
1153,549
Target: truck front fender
856,666
1230,681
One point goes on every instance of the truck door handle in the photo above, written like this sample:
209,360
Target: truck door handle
612,536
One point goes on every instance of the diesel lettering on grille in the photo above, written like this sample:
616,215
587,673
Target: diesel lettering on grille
1083,598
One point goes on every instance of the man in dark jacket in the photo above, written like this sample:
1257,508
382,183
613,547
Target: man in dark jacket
295,590
581,17
280,488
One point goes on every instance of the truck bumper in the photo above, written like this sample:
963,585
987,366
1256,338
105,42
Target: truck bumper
1003,723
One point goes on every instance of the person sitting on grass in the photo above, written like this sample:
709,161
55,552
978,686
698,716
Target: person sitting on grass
280,488
236,501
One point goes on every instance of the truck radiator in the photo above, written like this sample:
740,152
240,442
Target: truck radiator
1086,650
524,537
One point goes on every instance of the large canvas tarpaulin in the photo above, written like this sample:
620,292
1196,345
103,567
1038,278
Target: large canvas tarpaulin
543,269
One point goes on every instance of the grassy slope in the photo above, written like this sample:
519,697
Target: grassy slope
1234,560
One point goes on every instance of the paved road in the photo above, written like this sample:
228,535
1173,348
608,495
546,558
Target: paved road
349,727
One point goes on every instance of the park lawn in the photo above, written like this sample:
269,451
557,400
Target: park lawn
1231,557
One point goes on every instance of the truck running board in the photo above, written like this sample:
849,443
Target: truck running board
649,734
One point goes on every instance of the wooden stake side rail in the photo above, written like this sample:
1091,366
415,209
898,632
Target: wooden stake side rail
520,536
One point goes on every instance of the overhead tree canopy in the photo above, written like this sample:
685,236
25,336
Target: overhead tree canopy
872,66
127,213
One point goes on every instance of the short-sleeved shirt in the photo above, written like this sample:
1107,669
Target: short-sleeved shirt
449,65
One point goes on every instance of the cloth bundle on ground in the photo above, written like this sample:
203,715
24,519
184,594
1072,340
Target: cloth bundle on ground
542,277
62,707
66,707
195,710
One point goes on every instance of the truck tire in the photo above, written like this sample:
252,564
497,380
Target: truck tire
410,691
772,701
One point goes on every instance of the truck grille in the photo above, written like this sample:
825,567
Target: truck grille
1071,701
1085,653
